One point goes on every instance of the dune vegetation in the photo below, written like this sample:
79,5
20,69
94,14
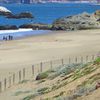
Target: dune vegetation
67,82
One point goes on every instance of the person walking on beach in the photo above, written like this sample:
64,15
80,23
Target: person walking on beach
5,38
10,37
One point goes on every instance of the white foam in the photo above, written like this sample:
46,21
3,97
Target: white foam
3,9
14,31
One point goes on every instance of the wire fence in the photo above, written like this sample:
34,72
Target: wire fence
32,71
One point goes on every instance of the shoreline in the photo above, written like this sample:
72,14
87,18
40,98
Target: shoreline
22,33
12,31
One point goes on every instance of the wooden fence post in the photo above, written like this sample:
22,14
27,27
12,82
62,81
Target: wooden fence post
5,84
86,58
69,60
19,76
0,87
51,65
24,74
81,59
41,65
76,60
9,81
92,57
32,70
62,61
13,78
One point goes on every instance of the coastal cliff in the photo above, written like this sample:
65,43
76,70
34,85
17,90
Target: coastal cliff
78,22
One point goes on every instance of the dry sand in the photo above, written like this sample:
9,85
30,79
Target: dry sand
60,44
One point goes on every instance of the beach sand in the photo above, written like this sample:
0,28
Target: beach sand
35,49
16,54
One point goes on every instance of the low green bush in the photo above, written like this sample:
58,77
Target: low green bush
43,90
21,92
30,97
97,61
42,76
23,81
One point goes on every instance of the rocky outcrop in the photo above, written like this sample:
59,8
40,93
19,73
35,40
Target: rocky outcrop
97,15
4,11
8,27
21,15
39,26
78,22
8,14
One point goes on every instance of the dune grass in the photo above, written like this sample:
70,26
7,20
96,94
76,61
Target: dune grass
44,75
43,90
30,97
23,81
21,92
70,74
97,61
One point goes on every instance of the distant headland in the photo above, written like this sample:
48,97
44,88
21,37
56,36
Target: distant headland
47,1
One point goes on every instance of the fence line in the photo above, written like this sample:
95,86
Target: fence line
32,71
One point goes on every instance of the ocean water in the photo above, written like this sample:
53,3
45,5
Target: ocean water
46,13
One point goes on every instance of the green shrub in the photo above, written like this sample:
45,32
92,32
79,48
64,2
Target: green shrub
61,94
41,81
42,76
21,92
23,81
97,61
43,90
29,97
85,71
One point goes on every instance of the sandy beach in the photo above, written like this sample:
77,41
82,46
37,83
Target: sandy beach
58,44
16,54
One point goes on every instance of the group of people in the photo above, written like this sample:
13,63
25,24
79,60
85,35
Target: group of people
10,37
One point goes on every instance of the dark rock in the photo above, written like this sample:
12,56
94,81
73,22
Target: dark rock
21,15
8,27
5,13
98,85
77,22
26,26
36,26
97,15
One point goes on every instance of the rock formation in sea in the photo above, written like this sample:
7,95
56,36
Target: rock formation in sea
78,22
21,15
4,11
39,26
8,27
8,14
